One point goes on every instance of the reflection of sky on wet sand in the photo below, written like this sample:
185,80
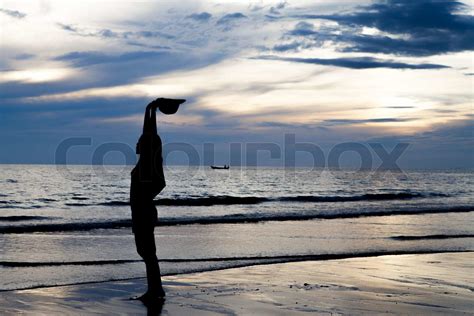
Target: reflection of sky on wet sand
408,284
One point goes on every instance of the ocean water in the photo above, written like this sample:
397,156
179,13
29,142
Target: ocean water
68,225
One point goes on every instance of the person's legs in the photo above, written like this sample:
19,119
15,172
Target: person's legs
143,227
144,216
146,248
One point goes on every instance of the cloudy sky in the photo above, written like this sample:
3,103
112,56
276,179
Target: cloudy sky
383,71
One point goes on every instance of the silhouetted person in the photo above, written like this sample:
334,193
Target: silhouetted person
148,181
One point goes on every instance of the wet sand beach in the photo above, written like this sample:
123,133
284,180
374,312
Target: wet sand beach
397,284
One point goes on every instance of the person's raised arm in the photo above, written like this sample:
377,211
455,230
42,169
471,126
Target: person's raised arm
149,121
153,120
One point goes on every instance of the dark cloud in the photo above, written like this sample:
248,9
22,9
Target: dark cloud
147,34
24,56
356,62
201,17
290,126
272,17
287,46
138,44
461,129
303,29
255,7
100,70
328,124
276,9
413,28
131,66
469,74
443,111
107,33
400,107
308,37
68,27
18,89
231,17
81,59
338,122
13,13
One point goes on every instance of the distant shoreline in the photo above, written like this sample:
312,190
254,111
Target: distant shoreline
459,169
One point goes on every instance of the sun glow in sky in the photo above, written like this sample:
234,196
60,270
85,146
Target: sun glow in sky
35,75
328,71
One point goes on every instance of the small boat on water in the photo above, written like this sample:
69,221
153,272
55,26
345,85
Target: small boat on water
225,167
